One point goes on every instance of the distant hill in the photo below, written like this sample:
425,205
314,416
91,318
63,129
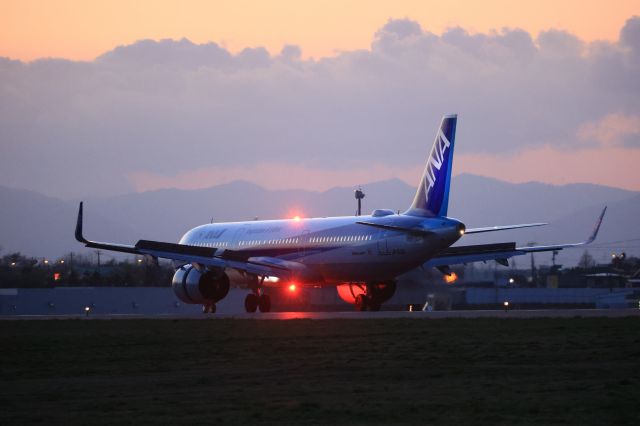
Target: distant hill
38,225
620,231
480,201
42,226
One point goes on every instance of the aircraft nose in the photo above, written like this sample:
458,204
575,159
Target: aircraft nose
461,229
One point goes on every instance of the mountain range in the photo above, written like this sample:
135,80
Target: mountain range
37,225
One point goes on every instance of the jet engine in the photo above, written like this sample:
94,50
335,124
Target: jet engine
193,286
381,292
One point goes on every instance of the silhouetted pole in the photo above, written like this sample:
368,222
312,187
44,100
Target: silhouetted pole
359,197
533,267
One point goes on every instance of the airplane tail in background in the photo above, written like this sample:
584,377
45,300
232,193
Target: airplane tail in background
432,195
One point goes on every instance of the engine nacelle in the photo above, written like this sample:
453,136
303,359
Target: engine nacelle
193,286
379,291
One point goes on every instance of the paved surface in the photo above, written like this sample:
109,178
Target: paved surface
543,313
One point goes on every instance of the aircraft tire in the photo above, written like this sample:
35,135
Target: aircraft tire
251,303
264,304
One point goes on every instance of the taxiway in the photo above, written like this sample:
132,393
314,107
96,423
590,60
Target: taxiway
511,314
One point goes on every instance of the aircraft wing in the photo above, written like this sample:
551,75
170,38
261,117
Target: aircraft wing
501,252
475,253
209,256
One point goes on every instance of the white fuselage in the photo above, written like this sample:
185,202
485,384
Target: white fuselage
337,249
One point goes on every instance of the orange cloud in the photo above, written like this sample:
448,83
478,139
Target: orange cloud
612,166
611,130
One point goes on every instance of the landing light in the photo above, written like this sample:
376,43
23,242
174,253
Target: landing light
292,287
461,232
451,278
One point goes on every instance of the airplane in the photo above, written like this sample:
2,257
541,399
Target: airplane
361,256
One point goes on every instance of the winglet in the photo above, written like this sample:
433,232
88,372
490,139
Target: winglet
104,246
589,240
596,228
79,235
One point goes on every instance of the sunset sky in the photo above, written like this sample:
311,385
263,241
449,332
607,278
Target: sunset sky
288,94
82,30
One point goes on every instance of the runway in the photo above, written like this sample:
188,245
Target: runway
419,315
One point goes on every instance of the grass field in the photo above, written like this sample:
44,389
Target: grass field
404,371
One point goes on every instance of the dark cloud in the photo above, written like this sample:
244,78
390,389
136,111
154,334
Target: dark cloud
178,53
630,34
561,43
504,47
399,29
72,128
291,53
254,58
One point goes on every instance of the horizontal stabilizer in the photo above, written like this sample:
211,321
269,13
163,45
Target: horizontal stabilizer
501,228
418,231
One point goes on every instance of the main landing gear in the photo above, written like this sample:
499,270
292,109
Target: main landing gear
254,302
374,296
257,299
365,302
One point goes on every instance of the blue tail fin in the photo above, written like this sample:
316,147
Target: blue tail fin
432,196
